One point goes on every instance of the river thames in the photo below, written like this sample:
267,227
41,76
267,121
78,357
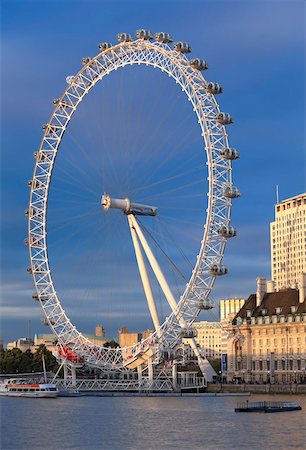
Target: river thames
149,423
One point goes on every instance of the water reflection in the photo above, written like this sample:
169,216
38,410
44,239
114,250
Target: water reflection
149,423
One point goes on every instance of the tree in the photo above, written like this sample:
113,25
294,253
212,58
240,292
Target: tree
50,360
26,361
111,344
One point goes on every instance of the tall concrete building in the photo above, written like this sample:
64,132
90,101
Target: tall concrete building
230,306
288,242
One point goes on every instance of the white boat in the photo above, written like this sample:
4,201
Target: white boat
19,387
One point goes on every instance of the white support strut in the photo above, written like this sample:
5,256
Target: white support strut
156,269
134,226
144,277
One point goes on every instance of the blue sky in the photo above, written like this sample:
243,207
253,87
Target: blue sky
255,49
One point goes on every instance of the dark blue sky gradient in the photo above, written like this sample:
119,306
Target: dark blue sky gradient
255,49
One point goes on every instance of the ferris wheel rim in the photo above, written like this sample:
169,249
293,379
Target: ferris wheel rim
44,282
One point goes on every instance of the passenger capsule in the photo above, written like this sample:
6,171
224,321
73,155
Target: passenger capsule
31,212
104,46
35,184
42,297
224,118
124,37
163,37
206,304
198,64
231,192
144,34
36,269
60,103
213,88
188,333
50,129
34,241
86,60
45,321
40,156
227,232
218,269
70,79
182,47
229,153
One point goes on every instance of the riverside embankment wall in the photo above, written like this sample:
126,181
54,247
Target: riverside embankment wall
259,388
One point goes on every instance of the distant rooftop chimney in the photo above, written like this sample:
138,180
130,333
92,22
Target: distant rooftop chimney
261,290
302,287
270,286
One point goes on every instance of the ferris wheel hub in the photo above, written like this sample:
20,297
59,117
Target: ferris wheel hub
125,204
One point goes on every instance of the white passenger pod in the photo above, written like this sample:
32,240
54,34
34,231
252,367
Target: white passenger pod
86,60
45,321
188,333
231,191
41,156
227,232
229,153
36,269
218,269
144,34
50,129
198,64
35,184
124,37
42,297
213,88
32,212
104,46
206,304
163,37
182,47
224,118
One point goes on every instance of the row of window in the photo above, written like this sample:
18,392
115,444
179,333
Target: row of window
276,341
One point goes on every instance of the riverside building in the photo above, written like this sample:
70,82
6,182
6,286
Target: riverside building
267,342
288,242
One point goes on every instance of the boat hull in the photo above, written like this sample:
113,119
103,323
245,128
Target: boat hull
30,394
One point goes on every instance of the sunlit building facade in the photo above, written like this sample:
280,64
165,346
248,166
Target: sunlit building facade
267,340
230,306
288,242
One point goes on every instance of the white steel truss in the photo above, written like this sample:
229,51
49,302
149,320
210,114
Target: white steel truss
215,139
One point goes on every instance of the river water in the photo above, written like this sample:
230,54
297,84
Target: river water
116,423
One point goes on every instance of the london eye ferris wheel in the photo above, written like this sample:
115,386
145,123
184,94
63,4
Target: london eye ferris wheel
136,203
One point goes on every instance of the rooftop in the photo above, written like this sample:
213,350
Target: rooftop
283,299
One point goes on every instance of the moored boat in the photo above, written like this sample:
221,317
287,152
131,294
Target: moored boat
267,407
19,387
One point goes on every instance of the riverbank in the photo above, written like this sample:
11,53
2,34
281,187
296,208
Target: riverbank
258,388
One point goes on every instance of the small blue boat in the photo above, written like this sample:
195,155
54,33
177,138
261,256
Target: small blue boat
267,407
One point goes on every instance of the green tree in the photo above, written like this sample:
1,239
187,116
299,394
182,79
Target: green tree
26,362
11,361
50,360
112,344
